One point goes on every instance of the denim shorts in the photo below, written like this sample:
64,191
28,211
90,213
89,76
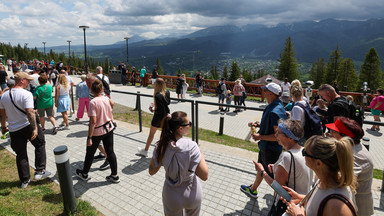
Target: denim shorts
221,97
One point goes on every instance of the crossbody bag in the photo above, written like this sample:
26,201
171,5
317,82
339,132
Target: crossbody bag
37,101
21,110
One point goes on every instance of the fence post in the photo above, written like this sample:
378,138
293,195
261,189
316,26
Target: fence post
65,178
193,119
137,101
221,127
197,121
138,104
366,142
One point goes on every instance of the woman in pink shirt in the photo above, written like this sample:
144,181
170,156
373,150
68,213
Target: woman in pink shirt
377,105
238,93
100,129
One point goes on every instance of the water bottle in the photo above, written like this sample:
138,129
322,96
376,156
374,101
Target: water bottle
4,135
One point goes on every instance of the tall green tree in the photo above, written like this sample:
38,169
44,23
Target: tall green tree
214,74
317,72
371,70
159,68
347,78
235,71
333,66
288,63
225,72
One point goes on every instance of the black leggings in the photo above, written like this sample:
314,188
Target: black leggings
108,146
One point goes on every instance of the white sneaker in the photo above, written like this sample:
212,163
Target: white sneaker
142,152
66,127
42,174
25,184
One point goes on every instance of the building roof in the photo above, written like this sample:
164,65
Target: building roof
261,80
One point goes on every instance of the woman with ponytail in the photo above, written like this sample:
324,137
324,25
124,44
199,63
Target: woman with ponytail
182,161
332,161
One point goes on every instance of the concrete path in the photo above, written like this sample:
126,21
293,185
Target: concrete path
138,193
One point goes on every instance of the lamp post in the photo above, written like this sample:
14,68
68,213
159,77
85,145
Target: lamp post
44,47
85,49
69,52
143,57
126,39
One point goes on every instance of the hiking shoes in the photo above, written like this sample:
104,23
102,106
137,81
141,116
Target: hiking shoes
54,131
42,174
81,175
113,179
247,190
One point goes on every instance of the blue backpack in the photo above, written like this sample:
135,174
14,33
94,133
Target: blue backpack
312,121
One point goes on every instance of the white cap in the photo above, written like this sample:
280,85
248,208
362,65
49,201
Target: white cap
273,87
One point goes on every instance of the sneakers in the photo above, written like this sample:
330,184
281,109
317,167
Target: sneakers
104,166
112,179
81,175
54,131
66,128
99,156
62,124
142,152
247,190
77,119
42,174
25,184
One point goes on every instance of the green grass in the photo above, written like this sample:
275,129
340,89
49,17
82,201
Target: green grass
127,114
378,174
41,197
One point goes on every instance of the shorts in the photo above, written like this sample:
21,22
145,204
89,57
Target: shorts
221,97
268,157
375,112
49,111
63,103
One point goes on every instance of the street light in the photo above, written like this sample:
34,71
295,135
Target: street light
44,47
69,52
143,57
85,49
126,39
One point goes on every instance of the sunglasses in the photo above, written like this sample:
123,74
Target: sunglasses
188,124
305,154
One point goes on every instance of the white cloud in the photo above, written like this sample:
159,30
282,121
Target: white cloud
57,21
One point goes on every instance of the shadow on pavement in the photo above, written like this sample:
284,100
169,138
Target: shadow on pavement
374,133
83,133
252,206
138,165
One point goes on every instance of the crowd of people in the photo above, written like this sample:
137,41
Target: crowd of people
325,172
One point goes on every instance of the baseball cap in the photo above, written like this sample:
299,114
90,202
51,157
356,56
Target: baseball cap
22,75
273,87
340,127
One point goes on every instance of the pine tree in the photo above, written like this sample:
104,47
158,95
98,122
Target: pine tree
225,72
159,68
288,64
179,72
317,72
371,70
235,71
332,67
347,77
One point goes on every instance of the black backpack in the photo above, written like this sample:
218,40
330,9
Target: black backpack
107,90
353,112
218,89
312,121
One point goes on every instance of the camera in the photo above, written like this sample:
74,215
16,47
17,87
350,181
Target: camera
268,80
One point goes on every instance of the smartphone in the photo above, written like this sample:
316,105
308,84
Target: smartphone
281,191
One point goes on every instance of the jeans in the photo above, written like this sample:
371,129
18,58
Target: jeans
19,140
108,146
124,79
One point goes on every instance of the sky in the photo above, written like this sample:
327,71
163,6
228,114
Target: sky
109,21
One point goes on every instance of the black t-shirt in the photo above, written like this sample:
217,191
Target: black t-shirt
3,74
338,107
154,74
162,103
124,71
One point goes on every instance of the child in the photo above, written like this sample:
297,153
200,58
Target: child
228,100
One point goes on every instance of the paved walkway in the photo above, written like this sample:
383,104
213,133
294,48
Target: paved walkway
138,193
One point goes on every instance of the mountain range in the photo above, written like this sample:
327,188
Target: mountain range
220,45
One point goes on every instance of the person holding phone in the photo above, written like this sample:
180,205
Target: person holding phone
290,169
332,161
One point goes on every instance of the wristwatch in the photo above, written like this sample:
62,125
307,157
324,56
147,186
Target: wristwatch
88,138
261,173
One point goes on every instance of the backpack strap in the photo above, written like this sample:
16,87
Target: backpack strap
345,200
294,170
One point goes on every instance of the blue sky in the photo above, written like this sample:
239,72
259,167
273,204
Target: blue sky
34,21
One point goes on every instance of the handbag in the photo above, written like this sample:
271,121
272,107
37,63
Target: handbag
279,208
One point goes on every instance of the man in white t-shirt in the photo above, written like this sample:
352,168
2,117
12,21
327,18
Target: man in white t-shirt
285,86
35,82
17,105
